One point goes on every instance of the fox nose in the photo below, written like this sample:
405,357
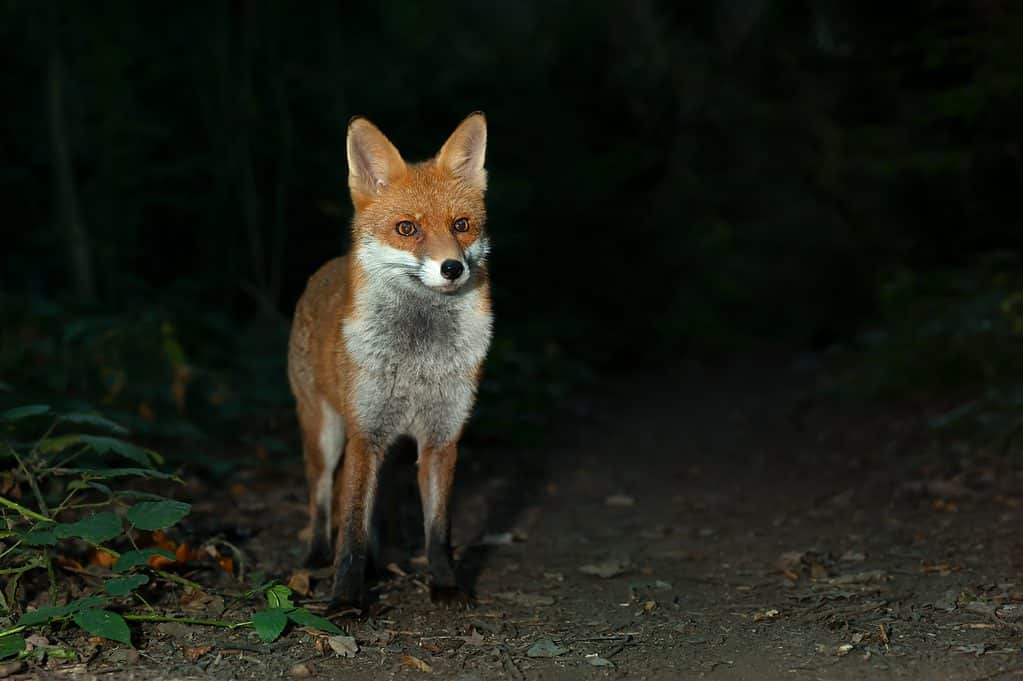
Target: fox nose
451,269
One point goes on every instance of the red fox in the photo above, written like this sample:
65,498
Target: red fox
388,342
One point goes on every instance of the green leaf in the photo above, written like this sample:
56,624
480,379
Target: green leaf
135,494
102,444
104,623
25,412
131,559
59,444
88,602
156,515
82,418
279,596
104,473
303,617
95,529
38,537
269,624
122,586
42,615
11,646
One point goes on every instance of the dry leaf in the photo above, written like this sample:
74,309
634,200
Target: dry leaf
619,501
299,582
102,558
413,662
301,671
765,615
194,599
345,646
606,569
473,639
193,654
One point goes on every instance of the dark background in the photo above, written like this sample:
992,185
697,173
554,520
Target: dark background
668,182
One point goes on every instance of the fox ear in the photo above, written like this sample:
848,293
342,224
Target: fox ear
465,151
373,162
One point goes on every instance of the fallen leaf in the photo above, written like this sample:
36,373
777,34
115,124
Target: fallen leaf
852,557
302,670
413,662
649,606
765,615
473,639
545,647
606,569
345,646
299,582
102,558
527,600
843,649
193,599
598,661
619,501
193,654
226,564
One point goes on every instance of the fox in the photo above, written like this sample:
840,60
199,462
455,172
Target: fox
388,342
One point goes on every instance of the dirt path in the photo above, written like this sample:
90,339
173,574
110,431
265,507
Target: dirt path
756,538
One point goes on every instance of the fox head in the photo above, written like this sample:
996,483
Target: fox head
420,224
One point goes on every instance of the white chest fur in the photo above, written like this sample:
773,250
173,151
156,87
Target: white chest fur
415,356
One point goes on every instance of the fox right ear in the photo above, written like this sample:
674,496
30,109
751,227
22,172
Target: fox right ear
373,162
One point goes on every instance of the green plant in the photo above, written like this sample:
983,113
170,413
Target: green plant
68,481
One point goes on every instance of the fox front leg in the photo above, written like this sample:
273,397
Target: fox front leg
355,492
436,480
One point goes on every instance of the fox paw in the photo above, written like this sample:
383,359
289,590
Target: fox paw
450,595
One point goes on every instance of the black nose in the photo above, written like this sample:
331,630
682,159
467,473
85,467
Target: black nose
451,269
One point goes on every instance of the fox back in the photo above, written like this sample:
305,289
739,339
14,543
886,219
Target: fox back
389,340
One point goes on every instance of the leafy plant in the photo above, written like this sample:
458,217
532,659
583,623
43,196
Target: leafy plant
76,503
271,622
73,502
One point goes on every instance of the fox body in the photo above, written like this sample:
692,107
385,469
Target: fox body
388,342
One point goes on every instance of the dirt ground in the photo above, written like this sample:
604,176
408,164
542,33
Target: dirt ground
719,524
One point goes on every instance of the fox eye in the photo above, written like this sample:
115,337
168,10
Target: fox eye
406,228
461,225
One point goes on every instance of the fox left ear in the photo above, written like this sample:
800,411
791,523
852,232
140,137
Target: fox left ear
465,151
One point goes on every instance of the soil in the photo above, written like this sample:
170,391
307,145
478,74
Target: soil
705,523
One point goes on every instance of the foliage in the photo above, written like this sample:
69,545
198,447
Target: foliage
36,536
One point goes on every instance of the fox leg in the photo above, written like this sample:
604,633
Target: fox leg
436,480
354,495
322,440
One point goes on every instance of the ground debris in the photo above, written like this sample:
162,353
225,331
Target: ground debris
193,654
524,599
302,670
545,647
344,646
606,569
413,662
598,661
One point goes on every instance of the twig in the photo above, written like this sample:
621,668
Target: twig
27,512
188,620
